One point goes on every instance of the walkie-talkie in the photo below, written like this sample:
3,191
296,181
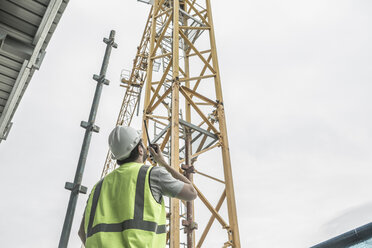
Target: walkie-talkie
153,146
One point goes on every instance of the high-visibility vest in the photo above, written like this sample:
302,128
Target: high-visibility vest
121,211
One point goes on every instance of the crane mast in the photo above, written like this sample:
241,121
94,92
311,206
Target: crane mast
176,65
133,82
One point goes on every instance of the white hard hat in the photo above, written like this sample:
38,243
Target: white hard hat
122,140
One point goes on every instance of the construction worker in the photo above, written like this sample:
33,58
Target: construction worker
126,208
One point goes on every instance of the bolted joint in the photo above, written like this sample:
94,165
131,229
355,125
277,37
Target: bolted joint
176,80
213,117
101,79
188,168
230,234
76,187
189,226
219,102
89,126
227,227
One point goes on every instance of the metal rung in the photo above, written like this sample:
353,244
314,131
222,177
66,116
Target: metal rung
72,186
89,126
156,66
131,91
192,17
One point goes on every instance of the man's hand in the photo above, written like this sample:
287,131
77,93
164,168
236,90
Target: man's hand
157,154
188,193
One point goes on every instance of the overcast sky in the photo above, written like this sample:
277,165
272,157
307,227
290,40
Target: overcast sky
296,77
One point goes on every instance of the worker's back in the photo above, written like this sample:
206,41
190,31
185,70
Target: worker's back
121,211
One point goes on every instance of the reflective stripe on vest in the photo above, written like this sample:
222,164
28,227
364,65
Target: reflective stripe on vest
137,222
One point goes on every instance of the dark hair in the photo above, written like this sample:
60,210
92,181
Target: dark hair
133,156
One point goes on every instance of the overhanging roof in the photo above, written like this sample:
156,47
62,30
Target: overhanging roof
26,28
353,238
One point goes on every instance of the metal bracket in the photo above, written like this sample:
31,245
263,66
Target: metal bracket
189,226
101,79
39,59
6,132
110,42
71,186
188,168
89,126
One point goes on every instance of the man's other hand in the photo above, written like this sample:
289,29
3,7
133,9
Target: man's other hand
157,154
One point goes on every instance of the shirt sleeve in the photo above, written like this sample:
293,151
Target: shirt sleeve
163,181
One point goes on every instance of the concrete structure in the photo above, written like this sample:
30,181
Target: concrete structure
26,28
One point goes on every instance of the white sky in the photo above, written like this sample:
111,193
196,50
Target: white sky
296,80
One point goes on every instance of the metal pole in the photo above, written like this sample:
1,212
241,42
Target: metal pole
190,225
90,127
188,168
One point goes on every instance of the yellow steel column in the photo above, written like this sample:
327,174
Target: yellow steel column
175,204
149,70
230,195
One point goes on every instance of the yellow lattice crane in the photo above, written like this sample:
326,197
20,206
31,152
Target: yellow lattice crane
176,65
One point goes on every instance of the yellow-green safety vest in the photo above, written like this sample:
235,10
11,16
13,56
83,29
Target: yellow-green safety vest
122,212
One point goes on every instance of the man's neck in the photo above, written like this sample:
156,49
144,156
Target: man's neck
138,160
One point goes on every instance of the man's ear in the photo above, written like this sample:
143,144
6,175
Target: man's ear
141,148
